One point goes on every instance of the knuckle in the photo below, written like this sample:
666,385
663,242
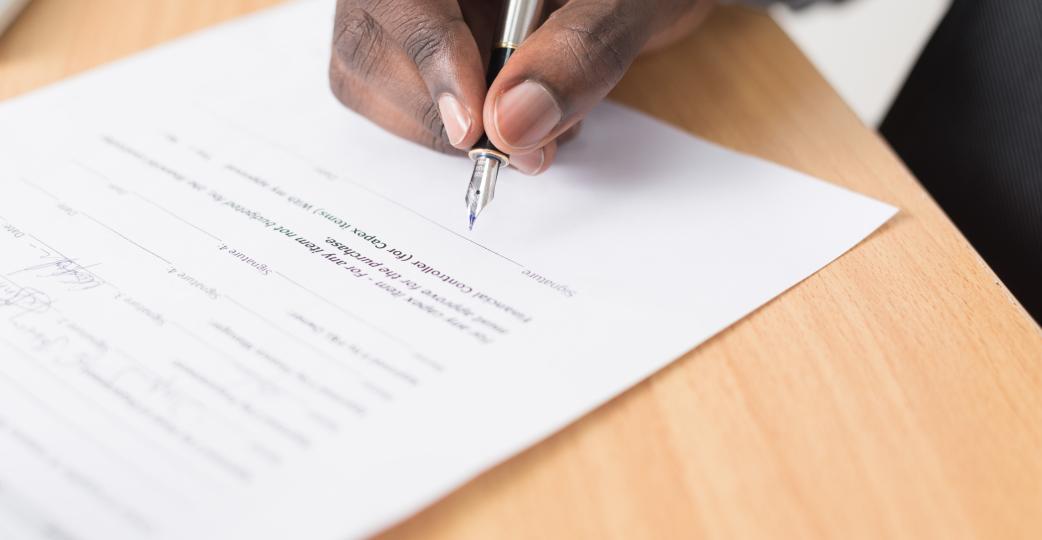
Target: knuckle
345,88
356,44
600,46
336,78
424,38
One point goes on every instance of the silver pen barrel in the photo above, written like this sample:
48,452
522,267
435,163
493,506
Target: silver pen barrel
517,21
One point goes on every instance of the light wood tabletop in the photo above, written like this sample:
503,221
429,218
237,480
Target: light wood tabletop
895,394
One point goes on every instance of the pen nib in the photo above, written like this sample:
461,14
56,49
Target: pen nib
482,186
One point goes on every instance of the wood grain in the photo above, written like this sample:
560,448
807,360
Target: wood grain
897,393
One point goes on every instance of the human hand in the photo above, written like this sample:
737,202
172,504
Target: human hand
415,68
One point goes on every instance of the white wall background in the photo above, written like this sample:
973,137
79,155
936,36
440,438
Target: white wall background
865,48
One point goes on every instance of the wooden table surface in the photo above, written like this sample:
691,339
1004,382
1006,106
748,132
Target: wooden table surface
896,394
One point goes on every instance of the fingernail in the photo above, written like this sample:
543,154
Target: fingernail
529,163
526,114
454,117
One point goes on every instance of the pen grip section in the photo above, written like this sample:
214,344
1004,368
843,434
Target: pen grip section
496,63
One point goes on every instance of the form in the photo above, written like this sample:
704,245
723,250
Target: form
230,308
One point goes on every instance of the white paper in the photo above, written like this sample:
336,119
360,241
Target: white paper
183,356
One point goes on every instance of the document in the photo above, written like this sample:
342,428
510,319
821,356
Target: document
230,308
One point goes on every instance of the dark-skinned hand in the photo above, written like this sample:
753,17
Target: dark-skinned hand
416,68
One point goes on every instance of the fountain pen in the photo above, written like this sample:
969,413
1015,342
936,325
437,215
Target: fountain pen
518,19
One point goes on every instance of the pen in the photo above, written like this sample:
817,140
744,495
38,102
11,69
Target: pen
518,19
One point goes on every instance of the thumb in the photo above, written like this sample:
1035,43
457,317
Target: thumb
564,69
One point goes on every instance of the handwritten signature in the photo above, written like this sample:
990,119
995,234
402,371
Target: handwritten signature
66,271
24,300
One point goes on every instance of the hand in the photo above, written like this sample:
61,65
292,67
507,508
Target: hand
415,68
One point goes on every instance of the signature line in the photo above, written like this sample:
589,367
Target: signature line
121,235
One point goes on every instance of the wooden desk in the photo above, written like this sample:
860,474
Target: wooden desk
898,393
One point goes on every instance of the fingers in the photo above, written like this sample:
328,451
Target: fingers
371,76
412,67
535,162
437,40
566,67
572,132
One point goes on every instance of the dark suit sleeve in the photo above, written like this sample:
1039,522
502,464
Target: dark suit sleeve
969,124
